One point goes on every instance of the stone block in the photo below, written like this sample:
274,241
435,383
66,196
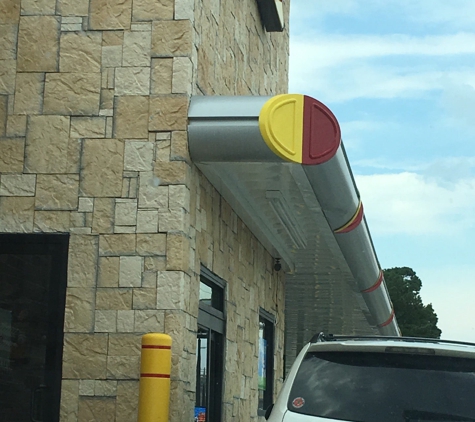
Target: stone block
125,345
105,321
7,76
161,76
126,212
86,387
97,409
69,400
71,27
141,26
168,113
179,147
29,93
151,10
51,221
79,311
110,14
175,220
105,388
17,185
88,127
130,271
8,40
171,289
103,215
185,9
131,117
113,299
173,173
123,367
178,252
171,38
73,7
38,7
152,264
3,114
108,272
125,321
82,261
38,44
110,38
10,11
132,81
111,56
162,151
149,321
72,93
107,100
151,244
57,191
16,214
147,221
136,48
12,151
80,52
179,197
102,167
182,75
149,278
151,194
138,155
47,144
117,244
16,126
127,401
145,298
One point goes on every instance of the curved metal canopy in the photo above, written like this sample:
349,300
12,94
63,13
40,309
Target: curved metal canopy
281,164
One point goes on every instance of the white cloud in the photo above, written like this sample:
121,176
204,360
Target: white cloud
342,68
407,203
332,50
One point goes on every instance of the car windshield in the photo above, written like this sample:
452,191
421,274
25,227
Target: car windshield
389,387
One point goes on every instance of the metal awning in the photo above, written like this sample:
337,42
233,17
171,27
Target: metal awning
280,163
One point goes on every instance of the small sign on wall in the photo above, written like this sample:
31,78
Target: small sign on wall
272,14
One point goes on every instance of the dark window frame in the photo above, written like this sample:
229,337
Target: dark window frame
56,245
269,335
212,318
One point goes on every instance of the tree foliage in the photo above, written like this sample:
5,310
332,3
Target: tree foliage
414,318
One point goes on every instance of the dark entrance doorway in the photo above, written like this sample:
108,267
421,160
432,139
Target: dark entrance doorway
33,274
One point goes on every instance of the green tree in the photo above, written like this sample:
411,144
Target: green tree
414,318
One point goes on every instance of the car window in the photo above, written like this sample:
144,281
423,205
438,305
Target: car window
376,387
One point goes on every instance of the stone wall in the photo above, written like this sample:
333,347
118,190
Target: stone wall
93,118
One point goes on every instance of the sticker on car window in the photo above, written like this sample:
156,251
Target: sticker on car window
298,402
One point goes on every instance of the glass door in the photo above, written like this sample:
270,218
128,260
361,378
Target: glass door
33,273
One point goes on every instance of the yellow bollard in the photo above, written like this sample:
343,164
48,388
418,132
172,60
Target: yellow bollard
155,368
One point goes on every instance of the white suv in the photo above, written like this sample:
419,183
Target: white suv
379,379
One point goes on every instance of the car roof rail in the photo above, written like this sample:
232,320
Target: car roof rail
322,337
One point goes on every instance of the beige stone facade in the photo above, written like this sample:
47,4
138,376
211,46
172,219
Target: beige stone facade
93,116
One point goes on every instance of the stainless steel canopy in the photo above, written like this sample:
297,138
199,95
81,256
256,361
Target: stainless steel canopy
309,215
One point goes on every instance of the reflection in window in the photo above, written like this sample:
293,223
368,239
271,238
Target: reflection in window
202,386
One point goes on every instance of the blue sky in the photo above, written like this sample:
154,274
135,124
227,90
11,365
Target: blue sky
400,78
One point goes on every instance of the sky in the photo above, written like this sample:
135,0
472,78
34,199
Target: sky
400,78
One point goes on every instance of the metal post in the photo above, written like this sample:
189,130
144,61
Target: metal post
155,368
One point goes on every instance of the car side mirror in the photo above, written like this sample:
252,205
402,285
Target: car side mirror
268,411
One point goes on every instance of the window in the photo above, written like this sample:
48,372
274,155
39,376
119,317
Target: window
265,367
33,274
210,348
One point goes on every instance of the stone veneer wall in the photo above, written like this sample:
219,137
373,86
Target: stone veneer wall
93,115
233,55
